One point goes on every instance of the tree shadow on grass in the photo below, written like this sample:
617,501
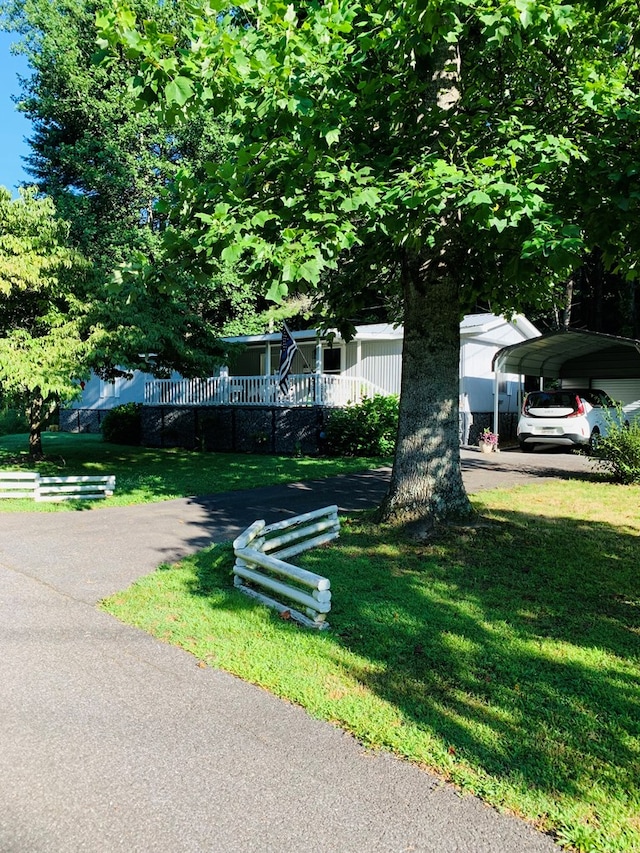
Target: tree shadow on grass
145,473
518,646
515,645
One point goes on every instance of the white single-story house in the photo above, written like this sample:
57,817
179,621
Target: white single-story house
326,370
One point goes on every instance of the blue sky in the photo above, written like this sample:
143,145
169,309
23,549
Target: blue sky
13,126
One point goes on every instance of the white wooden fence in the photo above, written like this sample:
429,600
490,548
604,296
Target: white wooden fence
260,562
29,484
305,389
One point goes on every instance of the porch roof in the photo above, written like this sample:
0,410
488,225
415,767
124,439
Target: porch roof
372,332
471,324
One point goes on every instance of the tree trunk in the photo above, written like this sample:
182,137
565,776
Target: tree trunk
426,484
35,442
36,414
568,303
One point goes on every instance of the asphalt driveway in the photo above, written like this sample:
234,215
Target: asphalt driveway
113,741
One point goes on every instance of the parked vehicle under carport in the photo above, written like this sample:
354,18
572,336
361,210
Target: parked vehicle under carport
571,359
573,417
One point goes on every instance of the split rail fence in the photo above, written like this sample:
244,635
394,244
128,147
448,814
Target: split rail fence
261,561
29,484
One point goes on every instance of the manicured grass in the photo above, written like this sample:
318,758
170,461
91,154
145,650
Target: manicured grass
507,657
144,475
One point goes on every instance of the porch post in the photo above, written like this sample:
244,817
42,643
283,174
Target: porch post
317,396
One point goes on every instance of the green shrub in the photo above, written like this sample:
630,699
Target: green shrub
364,429
618,453
122,424
12,422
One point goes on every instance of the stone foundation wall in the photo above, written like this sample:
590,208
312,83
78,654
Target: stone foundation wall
507,426
237,429
81,420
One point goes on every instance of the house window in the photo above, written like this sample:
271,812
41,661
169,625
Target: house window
110,389
331,360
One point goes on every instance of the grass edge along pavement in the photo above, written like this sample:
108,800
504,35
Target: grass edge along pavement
147,475
506,658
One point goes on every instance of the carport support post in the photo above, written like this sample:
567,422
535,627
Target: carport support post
496,399
520,394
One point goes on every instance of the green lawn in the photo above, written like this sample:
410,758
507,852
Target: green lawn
506,658
144,475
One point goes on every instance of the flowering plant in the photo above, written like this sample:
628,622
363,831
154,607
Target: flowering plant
489,437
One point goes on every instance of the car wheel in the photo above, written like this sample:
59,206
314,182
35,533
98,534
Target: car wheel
526,448
594,440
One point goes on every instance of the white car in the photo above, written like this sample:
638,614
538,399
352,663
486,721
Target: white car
574,417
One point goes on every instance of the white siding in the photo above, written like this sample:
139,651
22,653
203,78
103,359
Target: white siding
304,361
350,365
381,363
477,379
580,382
625,391
99,395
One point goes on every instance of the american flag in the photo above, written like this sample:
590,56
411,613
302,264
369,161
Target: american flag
288,349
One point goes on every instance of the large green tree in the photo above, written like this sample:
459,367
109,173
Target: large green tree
42,347
452,151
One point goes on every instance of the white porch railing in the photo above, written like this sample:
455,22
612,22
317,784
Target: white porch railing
307,389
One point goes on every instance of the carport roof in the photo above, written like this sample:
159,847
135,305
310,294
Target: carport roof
572,354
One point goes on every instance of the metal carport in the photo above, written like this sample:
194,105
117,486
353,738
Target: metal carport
567,355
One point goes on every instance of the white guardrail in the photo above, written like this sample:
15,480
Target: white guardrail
261,553
29,484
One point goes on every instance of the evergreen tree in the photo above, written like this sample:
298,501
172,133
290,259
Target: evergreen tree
105,165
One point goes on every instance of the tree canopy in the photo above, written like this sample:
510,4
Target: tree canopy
42,348
444,151
103,162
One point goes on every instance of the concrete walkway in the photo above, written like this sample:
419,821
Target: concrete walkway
113,741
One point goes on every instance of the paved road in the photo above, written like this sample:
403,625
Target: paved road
112,741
